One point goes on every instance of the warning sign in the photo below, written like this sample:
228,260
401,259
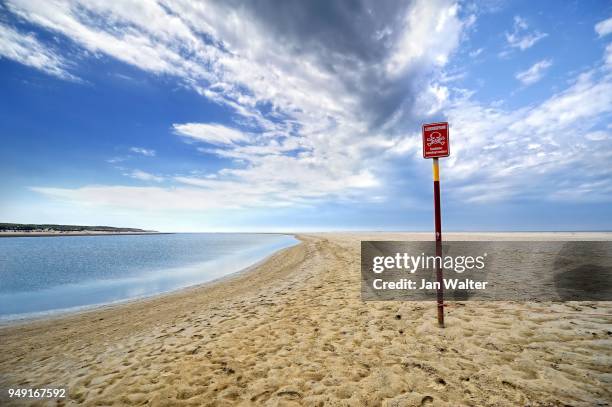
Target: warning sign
436,142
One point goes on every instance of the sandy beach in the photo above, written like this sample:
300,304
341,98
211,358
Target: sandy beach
294,331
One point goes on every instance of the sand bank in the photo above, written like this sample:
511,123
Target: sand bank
294,331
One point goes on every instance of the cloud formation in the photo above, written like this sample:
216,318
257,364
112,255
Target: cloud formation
534,73
325,96
604,27
143,151
316,99
210,133
548,151
144,176
26,49
520,37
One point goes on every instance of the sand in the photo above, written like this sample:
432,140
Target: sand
294,331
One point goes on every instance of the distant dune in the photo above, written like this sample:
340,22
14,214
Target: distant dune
20,229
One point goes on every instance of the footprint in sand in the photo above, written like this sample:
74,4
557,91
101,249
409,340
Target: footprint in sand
427,400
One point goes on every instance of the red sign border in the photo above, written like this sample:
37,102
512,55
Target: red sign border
447,138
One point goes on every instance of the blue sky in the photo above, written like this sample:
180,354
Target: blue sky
248,116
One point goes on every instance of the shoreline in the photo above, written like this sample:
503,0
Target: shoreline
61,234
75,311
294,330
117,305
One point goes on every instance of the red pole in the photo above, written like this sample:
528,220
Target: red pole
438,223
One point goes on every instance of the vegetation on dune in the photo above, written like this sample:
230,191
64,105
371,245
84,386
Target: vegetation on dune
20,227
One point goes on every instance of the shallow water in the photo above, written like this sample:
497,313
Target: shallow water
40,275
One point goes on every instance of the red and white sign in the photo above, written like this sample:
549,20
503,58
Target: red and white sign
436,142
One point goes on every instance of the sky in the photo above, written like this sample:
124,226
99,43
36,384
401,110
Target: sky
305,115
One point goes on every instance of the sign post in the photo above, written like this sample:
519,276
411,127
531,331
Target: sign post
436,144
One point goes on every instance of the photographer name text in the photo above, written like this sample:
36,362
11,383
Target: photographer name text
449,284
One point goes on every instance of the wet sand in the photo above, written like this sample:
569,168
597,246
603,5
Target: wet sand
294,331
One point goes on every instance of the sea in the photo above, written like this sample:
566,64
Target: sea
42,276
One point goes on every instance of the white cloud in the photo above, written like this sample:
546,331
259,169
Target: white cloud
26,49
476,52
598,135
432,100
270,188
210,133
143,151
317,119
115,160
305,120
432,34
540,152
522,39
604,27
140,198
144,176
534,73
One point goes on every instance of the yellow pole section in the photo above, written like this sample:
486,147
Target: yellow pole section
436,170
